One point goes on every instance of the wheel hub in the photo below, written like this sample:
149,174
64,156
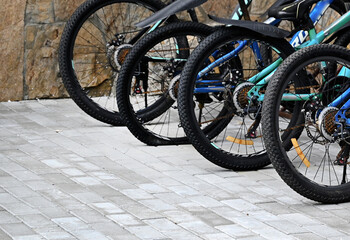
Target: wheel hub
240,94
326,122
174,87
120,54
116,54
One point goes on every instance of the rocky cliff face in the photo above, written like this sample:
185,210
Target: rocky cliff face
30,32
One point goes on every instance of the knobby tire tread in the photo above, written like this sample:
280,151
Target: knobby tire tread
277,154
197,138
72,86
125,108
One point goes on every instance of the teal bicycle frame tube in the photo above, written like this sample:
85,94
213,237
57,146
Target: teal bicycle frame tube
268,72
263,79
155,26
335,26
297,97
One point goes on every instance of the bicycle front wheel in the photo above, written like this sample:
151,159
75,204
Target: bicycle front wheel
93,46
305,143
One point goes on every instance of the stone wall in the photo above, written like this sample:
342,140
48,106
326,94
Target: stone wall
44,23
11,48
30,32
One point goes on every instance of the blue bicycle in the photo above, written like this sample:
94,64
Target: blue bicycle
236,94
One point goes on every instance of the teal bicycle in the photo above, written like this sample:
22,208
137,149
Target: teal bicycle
236,95
310,149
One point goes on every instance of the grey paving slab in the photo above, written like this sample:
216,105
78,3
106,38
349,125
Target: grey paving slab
287,227
6,217
198,227
19,208
16,229
146,232
217,236
36,220
211,218
141,211
227,213
234,230
64,175
54,232
111,229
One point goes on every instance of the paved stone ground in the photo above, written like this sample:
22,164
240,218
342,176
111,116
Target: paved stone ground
64,175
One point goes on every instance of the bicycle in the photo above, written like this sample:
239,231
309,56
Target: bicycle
164,128
240,145
310,148
94,43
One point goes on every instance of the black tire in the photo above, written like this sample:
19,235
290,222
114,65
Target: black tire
87,64
225,156
305,173
157,123
343,39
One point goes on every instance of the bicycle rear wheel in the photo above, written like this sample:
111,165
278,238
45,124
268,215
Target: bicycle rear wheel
93,46
220,96
303,141
147,86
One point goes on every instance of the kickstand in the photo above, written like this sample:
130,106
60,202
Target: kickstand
252,129
344,159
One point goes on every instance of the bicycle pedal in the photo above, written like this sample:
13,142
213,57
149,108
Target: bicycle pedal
339,162
137,91
251,134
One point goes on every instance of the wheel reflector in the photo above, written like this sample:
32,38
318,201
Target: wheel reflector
300,153
239,141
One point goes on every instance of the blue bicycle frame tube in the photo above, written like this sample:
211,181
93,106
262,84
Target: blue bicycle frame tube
340,99
315,16
316,13
342,111
315,39
344,72
256,51
222,59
